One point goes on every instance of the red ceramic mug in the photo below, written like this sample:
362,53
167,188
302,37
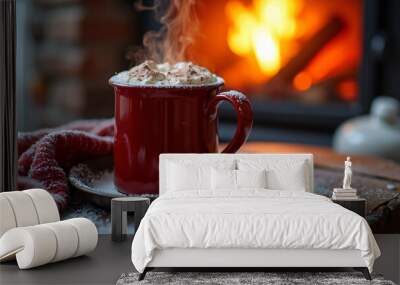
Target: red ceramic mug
152,120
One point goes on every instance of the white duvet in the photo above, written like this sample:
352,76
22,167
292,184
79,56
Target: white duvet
250,219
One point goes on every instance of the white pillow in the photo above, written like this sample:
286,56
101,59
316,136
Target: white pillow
282,174
251,178
193,175
183,178
223,179
237,179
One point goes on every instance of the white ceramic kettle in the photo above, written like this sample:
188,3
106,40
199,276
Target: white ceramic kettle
376,134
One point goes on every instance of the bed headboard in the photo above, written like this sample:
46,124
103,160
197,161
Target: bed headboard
164,158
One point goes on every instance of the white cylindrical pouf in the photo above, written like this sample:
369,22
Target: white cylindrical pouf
23,208
67,240
26,208
40,244
33,246
87,234
46,207
7,218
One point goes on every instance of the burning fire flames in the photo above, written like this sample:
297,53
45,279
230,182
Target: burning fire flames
262,30
307,50
316,41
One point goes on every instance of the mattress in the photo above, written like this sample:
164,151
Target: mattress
250,219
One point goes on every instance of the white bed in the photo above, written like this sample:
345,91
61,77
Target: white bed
250,227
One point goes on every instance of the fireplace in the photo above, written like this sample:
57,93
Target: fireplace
299,61
310,63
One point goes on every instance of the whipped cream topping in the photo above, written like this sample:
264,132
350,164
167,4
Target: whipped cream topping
165,74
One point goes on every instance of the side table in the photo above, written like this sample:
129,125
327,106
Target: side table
358,206
119,209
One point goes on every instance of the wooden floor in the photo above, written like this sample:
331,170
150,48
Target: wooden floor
103,266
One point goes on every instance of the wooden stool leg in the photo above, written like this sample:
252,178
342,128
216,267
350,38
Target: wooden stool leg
118,221
116,212
119,209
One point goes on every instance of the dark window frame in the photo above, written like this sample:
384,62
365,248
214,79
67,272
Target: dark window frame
8,146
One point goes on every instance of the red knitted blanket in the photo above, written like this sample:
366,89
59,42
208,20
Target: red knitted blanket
45,156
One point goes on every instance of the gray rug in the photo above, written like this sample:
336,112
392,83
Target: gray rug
269,278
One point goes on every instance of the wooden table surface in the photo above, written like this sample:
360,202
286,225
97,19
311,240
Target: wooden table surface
328,158
376,179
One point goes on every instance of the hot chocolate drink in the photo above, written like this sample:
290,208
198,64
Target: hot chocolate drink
165,74
168,108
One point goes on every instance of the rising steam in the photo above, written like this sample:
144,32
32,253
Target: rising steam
179,27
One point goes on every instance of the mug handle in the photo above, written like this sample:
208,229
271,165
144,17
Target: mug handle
244,116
